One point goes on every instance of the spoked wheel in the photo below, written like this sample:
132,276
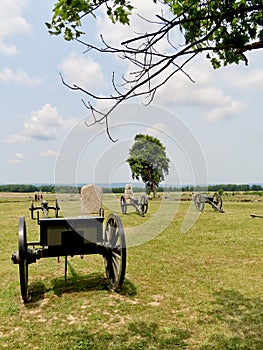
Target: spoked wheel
144,205
123,205
115,254
198,202
218,201
22,258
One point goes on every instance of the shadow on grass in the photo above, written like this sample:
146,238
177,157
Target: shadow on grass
94,281
134,336
243,317
36,294
77,283
74,284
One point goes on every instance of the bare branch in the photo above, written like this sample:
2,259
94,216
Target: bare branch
100,120
149,62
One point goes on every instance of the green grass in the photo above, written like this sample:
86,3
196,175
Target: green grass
198,290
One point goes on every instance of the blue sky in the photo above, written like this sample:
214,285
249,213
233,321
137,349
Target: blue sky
212,129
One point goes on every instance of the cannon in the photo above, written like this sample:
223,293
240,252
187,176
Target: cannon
82,235
128,199
215,201
44,207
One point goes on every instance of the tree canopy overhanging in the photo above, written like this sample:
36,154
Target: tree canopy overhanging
225,30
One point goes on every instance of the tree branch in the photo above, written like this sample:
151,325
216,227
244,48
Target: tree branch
151,66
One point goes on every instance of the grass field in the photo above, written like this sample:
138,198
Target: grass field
198,290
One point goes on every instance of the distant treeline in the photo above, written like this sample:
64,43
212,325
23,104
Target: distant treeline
225,188
75,189
27,188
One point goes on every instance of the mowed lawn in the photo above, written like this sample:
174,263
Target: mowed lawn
198,290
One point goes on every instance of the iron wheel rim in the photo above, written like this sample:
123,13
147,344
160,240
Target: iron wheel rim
115,256
23,264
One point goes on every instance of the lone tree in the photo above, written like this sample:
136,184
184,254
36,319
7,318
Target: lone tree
148,161
225,30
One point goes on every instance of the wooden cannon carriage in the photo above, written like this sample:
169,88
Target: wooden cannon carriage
128,199
44,207
83,235
215,201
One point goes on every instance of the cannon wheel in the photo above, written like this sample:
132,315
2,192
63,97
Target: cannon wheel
144,205
217,200
23,264
123,205
115,256
198,202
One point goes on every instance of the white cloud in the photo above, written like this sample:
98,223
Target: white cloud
44,123
17,159
8,49
179,90
224,112
14,161
250,78
20,156
207,93
16,138
48,153
19,77
82,71
12,22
